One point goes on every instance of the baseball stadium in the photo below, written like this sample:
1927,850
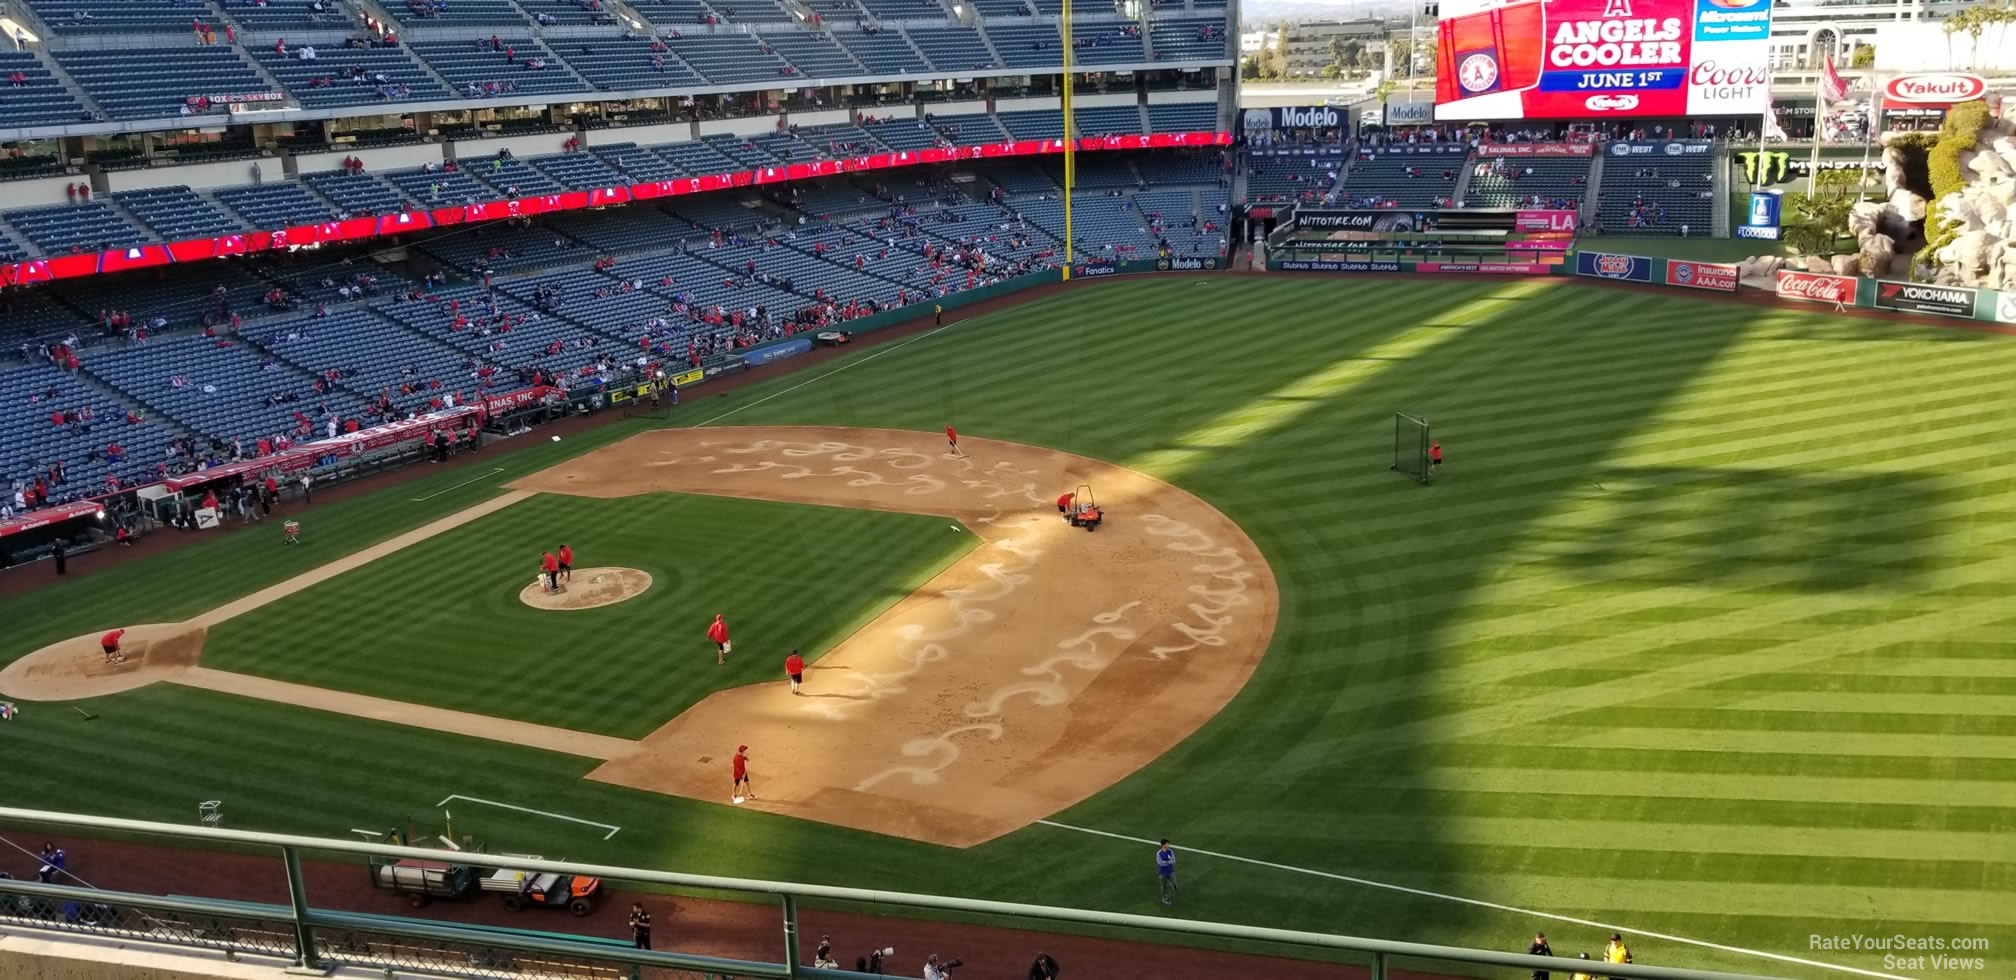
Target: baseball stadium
824,488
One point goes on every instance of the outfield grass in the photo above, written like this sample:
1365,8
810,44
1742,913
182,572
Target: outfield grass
1704,631
785,575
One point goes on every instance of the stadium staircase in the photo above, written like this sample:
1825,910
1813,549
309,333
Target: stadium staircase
1593,193
1722,221
987,39
1461,194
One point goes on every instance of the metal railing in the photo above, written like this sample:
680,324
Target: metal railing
318,939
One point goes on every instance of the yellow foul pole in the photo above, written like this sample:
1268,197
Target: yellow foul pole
1070,143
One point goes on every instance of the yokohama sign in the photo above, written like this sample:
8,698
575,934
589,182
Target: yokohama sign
1815,287
1913,297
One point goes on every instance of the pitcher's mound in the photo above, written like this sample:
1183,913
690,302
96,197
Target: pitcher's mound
591,587
76,668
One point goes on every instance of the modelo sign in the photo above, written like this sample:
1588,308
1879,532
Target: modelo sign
1816,287
1307,117
1937,89
1914,297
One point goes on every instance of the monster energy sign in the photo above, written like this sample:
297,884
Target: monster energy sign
1776,164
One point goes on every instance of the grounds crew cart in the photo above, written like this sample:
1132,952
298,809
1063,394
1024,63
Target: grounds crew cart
1085,510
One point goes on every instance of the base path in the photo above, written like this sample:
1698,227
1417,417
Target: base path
1044,666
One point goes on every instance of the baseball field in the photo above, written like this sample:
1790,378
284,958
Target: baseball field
1702,635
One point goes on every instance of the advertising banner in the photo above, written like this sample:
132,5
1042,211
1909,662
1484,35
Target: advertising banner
691,377
1701,275
492,404
2005,307
1762,221
50,515
1205,263
1410,113
1661,148
1339,265
1581,59
1372,220
1536,149
776,352
1816,287
1487,268
1916,297
1939,90
1609,265
1543,221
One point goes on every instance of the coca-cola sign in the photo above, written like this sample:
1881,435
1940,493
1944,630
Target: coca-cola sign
1944,88
1815,287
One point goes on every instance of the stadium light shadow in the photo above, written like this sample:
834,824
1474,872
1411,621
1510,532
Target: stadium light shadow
1368,659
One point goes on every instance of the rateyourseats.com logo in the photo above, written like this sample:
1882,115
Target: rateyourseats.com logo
1901,952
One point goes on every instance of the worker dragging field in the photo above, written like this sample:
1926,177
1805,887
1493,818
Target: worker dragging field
952,441
741,769
1064,501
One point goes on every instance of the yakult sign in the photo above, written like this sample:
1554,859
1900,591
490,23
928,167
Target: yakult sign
1937,89
1554,59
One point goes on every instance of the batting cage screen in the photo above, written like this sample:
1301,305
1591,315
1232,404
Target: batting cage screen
1410,447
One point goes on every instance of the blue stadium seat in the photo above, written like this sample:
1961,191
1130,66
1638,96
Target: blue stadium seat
1656,196
1543,182
356,194
579,171
91,227
616,65
31,393
1294,176
513,178
731,58
905,10
77,17
1119,120
221,387
816,54
906,133
1183,117
694,157
967,129
1107,43
128,83
883,52
281,16
1404,176
39,99
175,213
441,188
275,205
341,76
457,13
477,71
1004,8
674,13
955,48
635,162
1188,39
1028,45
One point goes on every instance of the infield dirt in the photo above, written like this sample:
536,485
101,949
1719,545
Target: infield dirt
1042,667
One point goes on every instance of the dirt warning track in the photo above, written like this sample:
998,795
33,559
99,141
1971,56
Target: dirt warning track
1046,665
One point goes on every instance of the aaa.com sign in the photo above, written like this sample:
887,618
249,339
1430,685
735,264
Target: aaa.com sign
1815,287
1583,59
1702,275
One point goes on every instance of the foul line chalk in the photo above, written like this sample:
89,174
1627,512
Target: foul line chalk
459,486
1608,927
610,827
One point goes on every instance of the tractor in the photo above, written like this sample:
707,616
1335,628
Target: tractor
1085,510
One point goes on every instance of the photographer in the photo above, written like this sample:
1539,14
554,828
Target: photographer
935,970
1043,968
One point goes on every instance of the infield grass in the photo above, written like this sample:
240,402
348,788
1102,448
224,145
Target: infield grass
1705,630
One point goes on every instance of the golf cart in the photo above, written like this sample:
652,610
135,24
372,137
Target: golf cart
1085,510
422,881
542,889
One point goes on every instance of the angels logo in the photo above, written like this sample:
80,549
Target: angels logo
280,239
1478,72
511,206
1612,103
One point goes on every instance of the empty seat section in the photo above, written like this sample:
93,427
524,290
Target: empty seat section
177,212
753,12
456,13
1188,39
1028,45
370,356
674,13
816,54
841,140
970,128
131,83
511,176
1107,43
619,65
32,394
1096,171
277,205
117,17
741,149
955,48
1658,195
883,52
477,70
1414,176
280,16
905,9
1004,8
1119,120
786,147
1041,124
1285,177
1522,181
340,76
636,163
441,188
224,388
92,227
1183,117
694,158
731,58
503,248
568,13
580,171
38,98
1181,166
907,133
357,194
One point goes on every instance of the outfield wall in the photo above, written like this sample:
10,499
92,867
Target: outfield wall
1970,303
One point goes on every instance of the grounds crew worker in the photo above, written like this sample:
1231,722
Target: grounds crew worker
640,925
938,314
1616,951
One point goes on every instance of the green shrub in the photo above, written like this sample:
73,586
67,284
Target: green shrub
1962,128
